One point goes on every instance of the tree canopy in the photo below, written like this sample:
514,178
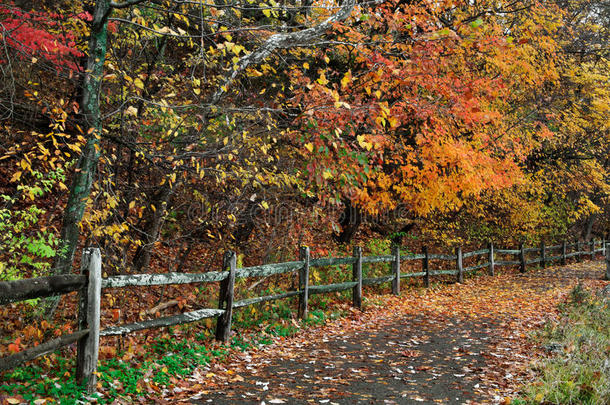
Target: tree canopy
159,128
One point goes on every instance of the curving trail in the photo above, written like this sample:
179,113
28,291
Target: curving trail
454,344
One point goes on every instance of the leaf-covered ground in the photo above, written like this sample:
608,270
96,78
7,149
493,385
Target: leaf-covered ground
459,343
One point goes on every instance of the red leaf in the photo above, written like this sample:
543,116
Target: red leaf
15,347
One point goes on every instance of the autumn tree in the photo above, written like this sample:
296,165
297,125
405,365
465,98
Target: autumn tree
422,106
40,59
179,118
573,166
564,190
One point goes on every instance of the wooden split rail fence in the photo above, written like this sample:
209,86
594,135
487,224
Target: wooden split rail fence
90,283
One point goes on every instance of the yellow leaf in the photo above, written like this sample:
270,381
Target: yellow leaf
363,143
131,110
16,176
306,65
138,83
265,205
309,147
380,121
196,91
322,80
267,12
347,79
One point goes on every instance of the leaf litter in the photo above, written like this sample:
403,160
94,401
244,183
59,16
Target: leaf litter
455,344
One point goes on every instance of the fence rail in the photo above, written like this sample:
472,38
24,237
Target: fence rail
21,290
89,284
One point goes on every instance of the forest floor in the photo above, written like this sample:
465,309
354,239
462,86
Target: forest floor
451,344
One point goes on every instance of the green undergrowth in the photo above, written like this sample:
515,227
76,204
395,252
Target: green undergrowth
577,370
278,318
164,359
167,359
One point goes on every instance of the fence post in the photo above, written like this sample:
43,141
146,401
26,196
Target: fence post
583,245
426,267
522,257
396,270
491,258
607,261
304,282
604,245
543,254
564,252
357,277
579,255
225,300
89,318
592,245
460,264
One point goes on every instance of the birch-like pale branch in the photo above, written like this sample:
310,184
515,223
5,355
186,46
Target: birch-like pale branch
280,41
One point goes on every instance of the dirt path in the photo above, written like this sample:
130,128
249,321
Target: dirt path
454,344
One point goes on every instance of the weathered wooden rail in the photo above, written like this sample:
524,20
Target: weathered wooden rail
90,283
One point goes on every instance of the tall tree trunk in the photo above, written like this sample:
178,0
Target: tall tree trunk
90,118
350,221
588,230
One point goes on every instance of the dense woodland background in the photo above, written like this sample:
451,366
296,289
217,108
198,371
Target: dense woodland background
167,132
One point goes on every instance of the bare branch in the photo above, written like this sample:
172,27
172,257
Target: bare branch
125,4
280,41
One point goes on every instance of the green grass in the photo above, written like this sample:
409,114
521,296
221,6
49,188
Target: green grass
578,369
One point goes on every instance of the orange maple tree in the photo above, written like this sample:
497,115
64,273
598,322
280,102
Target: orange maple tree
422,105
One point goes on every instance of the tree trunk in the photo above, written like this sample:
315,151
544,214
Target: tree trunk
589,227
84,172
91,120
141,259
350,221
